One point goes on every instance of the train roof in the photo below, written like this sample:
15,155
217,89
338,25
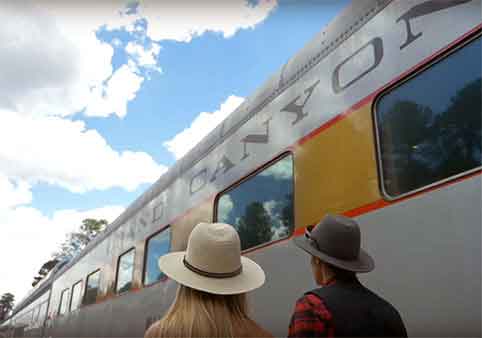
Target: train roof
352,18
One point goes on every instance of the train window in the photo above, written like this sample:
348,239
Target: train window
29,318
36,314
42,313
64,302
92,287
125,271
429,127
76,296
157,246
261,207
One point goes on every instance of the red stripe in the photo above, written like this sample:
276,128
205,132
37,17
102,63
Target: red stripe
369,98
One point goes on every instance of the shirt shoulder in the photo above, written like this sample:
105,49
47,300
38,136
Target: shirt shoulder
314,304
311,318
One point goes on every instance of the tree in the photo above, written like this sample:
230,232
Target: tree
405,127
72,246
254,226
77,241
49,265
44,271
6,305
460,131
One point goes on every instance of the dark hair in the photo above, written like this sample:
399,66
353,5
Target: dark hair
342,274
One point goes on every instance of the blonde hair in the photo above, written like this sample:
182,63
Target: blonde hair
196,313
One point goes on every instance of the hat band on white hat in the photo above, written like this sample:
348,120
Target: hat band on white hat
212,274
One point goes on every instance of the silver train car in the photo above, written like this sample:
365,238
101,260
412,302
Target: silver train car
377,118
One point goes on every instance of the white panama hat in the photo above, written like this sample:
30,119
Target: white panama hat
213,262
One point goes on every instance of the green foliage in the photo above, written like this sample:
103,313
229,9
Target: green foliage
6,305
254,226
72,246
45,269
423,147
77,241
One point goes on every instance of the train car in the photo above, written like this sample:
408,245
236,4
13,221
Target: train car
29,316
377,118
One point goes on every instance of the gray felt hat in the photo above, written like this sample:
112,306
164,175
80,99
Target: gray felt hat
336,241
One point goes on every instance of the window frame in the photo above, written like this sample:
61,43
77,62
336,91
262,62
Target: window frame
118,266
43,305
252,174
419,70
86,286
72,296
30,314
36,314
59,312
146,254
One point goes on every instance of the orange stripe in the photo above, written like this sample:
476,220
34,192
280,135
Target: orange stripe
367,208
380,204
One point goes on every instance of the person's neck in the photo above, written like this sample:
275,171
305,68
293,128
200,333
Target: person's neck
329,281
347,278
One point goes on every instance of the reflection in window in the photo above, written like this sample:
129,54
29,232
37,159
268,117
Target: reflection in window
92,287
429,128
35,315
261,208
125,272
157,246
42,313
64,302
76,296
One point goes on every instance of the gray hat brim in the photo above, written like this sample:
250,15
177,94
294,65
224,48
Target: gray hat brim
364,263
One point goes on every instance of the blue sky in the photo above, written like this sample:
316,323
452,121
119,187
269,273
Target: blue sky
99,102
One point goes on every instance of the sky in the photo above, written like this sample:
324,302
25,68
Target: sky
99,98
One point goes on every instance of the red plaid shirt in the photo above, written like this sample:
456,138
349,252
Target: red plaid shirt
311,318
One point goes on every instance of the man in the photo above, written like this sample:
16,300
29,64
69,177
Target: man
342,307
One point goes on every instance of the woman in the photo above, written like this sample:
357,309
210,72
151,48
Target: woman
214,279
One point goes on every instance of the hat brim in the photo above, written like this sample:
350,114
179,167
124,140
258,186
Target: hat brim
251,277
364,263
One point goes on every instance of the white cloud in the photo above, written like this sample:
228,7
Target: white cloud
52,60
54,64
65,153
180,144
28,238
270,207
35,74
143,56
114,96
13,194
184,20
280,232
225,207
282,170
